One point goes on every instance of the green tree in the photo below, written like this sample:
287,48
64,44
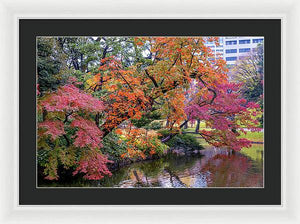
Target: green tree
249,71
50,62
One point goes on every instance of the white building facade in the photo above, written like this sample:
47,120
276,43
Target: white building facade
235,48
232,49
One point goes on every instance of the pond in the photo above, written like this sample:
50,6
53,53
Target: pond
213,168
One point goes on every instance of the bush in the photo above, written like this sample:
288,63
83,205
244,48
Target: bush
163,133
153,145
113,146
155,125
184,141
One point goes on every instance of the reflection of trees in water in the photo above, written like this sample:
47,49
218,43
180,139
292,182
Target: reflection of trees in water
152,168
179,164
115,179
174,179
231,171
218,168
155,173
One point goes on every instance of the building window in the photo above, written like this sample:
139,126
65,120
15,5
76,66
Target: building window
243,50
257,40
244,41
231,58
230,51
231,42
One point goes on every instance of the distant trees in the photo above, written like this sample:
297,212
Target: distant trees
58,58
50,63
250,72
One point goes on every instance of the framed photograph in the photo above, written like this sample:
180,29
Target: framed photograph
150,111
23,200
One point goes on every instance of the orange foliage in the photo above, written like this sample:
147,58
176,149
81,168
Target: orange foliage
175,63
140,142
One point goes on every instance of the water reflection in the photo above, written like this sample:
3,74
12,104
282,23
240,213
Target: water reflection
214,168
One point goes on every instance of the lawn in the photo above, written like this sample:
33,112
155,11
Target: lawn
255,152
200,140
254,136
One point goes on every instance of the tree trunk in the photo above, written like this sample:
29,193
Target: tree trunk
186,126
167,123
197,126
167,138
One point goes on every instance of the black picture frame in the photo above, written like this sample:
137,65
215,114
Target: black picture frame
29,29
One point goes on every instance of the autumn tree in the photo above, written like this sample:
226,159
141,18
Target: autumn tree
68,135
166,75
173,64
226,115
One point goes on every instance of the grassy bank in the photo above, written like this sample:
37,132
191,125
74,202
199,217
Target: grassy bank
254,136
255,152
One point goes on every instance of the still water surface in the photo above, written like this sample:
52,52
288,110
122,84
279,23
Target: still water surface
214,168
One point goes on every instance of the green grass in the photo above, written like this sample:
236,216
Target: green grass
201,141
255,152
191,128
254,136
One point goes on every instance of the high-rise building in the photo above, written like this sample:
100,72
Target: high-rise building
235,48
232,49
